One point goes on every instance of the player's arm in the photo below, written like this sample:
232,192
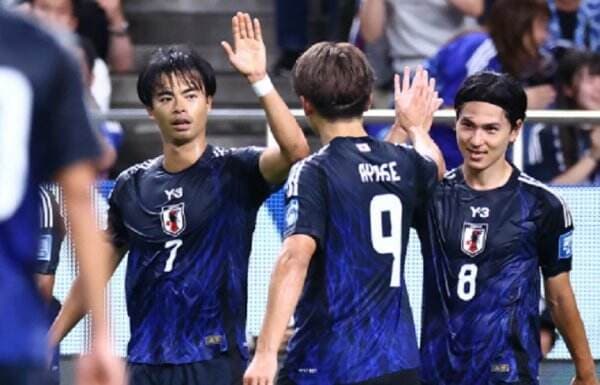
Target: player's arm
74,307
248,56
286,286
372,19
415,103
560,300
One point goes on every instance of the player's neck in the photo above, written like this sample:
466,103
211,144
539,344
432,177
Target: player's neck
329,130
178,158
497,175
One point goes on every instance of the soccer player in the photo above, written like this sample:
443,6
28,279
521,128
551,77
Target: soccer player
44,133
349,210
53,232
485,235
187,217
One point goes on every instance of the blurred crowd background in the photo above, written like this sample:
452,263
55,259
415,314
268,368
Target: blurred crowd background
551,46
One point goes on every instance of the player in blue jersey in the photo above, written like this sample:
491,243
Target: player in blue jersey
486,234
44,134
53,232
187,217
349,210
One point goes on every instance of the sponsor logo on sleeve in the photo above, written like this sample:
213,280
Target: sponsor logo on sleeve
45,248
565,246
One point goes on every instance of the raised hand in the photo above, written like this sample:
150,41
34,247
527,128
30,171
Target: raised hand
248,55
415,103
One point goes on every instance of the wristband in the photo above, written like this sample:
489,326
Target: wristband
263,86
120,30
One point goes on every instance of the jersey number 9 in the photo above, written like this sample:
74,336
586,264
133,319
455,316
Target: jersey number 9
392,243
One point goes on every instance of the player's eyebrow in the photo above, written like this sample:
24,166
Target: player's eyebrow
164,92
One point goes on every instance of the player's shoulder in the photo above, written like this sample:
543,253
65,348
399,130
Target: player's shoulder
237,153
138,169
301,169
540,191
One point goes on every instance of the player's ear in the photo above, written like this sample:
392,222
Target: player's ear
516,130
209,101
307,106
150,112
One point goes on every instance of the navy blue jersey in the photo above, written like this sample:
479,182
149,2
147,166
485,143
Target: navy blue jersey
483,251
43,128
356,198
52,228
189,236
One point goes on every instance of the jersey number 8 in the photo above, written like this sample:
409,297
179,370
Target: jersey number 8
392,243
466,281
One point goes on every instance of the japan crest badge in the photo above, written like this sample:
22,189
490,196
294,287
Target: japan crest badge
172,219
473,239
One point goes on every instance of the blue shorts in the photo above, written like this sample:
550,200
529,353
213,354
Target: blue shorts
24,375
227,369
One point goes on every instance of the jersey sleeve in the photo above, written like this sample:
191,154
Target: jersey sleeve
247,159
117,232
306,202
555,246
69,137
52,233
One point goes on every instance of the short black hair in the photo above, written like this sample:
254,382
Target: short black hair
179,60
501,90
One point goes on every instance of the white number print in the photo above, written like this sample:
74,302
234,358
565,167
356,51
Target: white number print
466,281
173,245
16,101
392,243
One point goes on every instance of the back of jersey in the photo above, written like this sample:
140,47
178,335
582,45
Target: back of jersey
43,129
356,198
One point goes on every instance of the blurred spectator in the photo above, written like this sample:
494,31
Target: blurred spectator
516,31
104,23
570,154
575,24
303,22
110,132
415,30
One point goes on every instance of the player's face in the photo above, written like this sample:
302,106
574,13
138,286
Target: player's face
180,108
56,12
483,133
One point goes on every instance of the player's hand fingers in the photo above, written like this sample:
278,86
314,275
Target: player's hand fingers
235,29
396,87
258,30
242,25
406,79
228,49
249,26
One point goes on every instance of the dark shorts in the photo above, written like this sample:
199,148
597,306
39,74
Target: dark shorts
24,375
227,369
403,377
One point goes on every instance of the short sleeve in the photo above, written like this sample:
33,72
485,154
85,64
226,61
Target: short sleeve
427,174
116,229
555,246
306,210
69,135
247,159
52,233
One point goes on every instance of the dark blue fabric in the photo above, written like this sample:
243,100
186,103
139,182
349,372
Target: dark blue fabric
351,324
481,292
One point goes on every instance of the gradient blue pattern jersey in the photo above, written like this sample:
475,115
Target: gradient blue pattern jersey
189,236
483,251
356,198
43,129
